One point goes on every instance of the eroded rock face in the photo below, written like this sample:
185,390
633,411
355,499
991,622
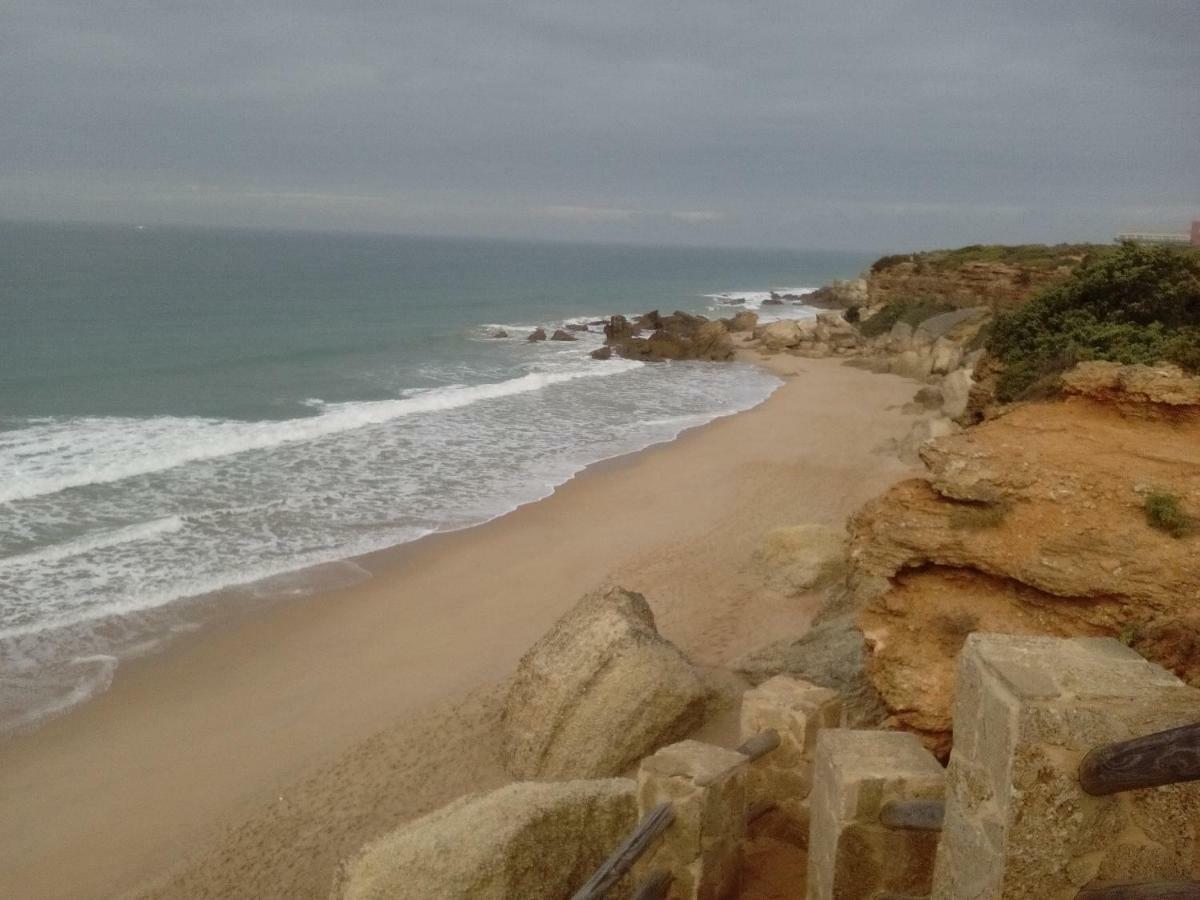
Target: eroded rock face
599,691
675,337
1033,523
536,841
1162,391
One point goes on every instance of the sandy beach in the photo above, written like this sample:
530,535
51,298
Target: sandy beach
248,758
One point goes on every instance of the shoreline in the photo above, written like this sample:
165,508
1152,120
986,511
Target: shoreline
120,791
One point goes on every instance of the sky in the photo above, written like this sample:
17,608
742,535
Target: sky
886,125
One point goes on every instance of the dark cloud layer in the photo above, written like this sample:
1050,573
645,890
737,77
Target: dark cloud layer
856,124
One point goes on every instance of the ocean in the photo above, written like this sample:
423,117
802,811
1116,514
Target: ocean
188,412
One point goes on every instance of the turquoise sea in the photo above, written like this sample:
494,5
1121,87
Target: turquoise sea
186,411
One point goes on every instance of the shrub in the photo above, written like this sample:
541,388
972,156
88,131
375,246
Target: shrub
1165,512
887,262
1136,304
977,516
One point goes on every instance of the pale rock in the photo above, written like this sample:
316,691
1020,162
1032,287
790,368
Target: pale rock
800,557
956,391
780,335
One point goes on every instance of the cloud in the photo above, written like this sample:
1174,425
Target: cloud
586,213
697,216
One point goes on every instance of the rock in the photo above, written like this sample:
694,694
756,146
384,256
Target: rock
800,557
599,691
651,321
900,338
773,300
929,397
1032,523
780,335
561,335
832,654
908,448
576,326
945,356
742,321
956,392
1162,390
539,334
618,328
530,840
497,333
912,364
601,353
839,294
677,336
953,324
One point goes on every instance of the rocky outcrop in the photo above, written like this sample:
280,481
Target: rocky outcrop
827,335
996,285
839,294
561,335
1034,522
800,557
538,334
674,337
599,691
534,841
601,353
742,321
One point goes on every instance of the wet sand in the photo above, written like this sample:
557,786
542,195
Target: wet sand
246,759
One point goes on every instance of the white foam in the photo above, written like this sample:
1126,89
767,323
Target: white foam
46,459
142,531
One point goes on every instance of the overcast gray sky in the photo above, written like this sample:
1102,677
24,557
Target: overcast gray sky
880,125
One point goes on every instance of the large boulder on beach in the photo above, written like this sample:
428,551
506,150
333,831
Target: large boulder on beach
598,692
536,841
745,320
780,335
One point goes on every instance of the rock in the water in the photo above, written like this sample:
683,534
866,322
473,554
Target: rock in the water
800,557
560,335
497,333
599,691
677,336
534,841
576,326
773,300
618,328
539,334
602,353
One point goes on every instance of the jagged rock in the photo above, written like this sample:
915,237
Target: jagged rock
539,334
618,328
831,654
599,691
678,336
1033,522
535,841
742,321
561,335
601,353
1162,390
799,557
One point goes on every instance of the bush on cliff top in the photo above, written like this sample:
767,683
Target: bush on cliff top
1137,304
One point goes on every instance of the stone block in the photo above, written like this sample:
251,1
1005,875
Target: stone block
796,709
1027,710
851,853
706,786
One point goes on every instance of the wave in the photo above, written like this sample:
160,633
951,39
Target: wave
48,458
140,532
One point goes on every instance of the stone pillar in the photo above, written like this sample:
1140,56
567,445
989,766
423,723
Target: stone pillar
706,785
1018,825
796,710
852,855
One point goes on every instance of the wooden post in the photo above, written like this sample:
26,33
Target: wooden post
1168,757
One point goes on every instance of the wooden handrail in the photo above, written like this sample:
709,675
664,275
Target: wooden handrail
655,887
913,815
1168,757
621,860
1141,890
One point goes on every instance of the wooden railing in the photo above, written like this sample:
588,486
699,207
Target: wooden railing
1167,757
621,861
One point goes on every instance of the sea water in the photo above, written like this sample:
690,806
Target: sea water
184,411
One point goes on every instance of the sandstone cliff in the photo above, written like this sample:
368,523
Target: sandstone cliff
1035,522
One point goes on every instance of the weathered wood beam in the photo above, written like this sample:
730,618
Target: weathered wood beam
1141,890
654,887
621,860
1168,757
913,815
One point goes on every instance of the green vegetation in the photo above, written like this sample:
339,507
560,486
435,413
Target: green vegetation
1134,304
886,262
1032,256
1165,512
977,516
914,312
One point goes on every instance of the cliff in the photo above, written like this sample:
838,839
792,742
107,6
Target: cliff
1043,520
